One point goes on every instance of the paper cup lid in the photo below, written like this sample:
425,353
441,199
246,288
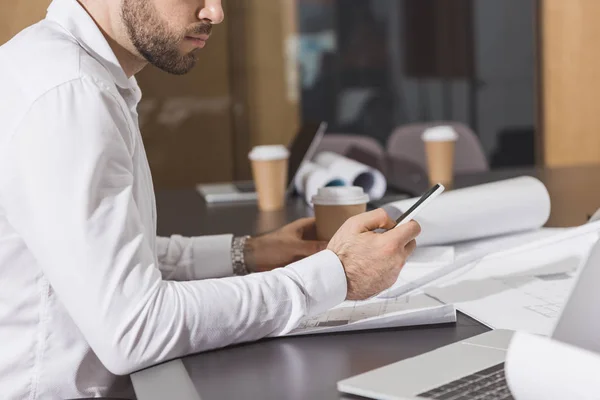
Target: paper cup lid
340,196
442,133
268,153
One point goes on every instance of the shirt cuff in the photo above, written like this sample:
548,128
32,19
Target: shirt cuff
324,281
212,256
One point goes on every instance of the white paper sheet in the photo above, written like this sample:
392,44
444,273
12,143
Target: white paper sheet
477,212
523,288
428,255
377,314
539,368
354,173
424,265
467,254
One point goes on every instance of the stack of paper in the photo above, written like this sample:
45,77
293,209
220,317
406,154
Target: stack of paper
522,288
378,313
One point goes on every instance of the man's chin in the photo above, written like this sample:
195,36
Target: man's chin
177,71
194,53
180,68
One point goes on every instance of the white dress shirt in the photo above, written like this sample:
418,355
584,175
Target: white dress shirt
87,290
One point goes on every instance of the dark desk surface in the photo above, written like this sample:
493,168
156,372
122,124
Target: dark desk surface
309,367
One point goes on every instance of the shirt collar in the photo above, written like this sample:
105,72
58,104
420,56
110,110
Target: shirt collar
74,18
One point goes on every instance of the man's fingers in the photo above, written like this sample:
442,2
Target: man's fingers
410,247
302,223
303,228
310,247
405,233
369,221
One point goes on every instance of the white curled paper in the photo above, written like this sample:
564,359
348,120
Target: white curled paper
354,173
312,177
539,368
482,211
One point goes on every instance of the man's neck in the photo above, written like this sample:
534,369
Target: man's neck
129,61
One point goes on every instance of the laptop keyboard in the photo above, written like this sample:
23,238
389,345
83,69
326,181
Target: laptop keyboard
488,384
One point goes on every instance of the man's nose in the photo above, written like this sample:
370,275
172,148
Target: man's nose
212,12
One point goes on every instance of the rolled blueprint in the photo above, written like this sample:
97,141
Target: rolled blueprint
354,173
492,209
311,177
540,368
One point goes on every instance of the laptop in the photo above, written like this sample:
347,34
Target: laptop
474,368
302,148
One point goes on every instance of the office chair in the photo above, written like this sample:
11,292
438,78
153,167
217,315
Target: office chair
405,144
342,143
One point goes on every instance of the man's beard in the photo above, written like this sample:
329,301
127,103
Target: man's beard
154,40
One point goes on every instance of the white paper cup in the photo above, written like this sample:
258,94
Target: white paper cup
334,205
439,148
270,170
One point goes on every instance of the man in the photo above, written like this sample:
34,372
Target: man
87,290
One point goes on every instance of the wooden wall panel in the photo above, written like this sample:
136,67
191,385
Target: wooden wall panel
186,120
570,81
264,74
17,15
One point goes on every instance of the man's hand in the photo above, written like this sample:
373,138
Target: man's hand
286,245
372,261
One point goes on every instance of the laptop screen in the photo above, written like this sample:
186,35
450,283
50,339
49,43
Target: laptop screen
303,147
579,322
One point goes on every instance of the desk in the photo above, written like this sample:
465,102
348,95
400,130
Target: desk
307,368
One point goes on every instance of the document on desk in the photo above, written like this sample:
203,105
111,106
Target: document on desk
417,309
523,288
539,368
435,267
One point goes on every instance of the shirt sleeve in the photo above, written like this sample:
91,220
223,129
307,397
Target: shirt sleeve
204,257
67,189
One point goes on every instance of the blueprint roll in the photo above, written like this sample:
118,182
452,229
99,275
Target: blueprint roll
312,177
354,173
498,208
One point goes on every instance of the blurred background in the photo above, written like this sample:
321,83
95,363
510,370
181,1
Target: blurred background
520,75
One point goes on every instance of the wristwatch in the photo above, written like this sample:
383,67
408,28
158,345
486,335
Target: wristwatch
237,255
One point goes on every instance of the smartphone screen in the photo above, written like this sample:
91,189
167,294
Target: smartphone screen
414,207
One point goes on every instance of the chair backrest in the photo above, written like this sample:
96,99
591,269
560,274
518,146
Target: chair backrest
342,143
405,143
